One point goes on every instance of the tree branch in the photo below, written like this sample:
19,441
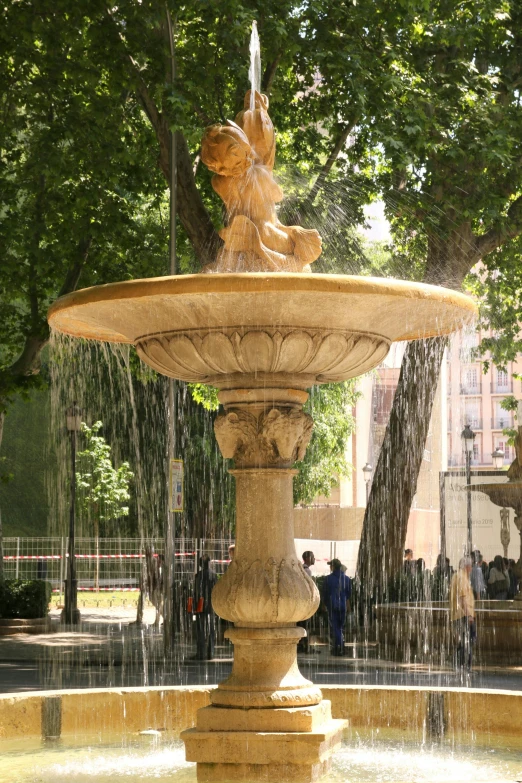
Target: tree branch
269,75
332,157
28,363
495,237
323,174
191,209
73,273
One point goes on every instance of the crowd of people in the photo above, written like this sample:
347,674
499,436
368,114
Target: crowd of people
494,580
474,579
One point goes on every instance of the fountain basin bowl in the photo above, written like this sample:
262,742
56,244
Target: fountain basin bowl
506,495
254,330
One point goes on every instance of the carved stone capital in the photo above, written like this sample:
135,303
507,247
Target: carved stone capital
277,437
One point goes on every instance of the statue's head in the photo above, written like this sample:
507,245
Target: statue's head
226,150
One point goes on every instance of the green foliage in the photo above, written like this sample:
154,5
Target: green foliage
430,91
103,490
498,286
80,195
26,460
26,599
5,474
325,461
207,396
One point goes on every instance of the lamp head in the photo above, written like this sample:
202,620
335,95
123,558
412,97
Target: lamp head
468,436
74,418
498,459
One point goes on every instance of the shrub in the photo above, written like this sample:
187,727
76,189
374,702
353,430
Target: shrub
22,598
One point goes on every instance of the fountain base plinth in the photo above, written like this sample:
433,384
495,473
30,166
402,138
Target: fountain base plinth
301,753
261,719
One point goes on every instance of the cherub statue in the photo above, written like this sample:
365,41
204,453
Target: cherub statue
242,154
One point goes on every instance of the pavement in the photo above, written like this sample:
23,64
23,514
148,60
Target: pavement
108,650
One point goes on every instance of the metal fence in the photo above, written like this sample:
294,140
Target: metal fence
104,564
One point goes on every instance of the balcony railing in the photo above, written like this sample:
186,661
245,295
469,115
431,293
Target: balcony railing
501,422
474,423
467,388
502,388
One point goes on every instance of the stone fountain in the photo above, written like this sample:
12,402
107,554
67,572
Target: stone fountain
262,331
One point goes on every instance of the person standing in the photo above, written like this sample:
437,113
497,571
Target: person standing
477,578
337,590
408,562
513,581
304,644
462,614
202,607
308,562
498,580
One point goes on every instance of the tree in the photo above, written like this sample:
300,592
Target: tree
78,181
427,94
498,286
103,490
451,152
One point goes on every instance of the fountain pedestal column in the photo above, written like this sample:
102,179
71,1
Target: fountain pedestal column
266,722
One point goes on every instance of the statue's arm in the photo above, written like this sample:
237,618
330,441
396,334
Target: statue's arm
259,129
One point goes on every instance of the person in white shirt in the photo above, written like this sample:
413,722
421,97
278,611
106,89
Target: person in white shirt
308,561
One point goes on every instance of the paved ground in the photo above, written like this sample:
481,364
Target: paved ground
110,651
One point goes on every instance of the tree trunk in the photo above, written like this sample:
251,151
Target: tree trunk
394,483
395,479
2,419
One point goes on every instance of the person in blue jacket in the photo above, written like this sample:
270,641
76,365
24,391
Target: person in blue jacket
337,589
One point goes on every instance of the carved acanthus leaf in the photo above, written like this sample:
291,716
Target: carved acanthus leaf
321,355
275,590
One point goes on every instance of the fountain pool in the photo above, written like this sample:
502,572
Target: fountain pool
384,755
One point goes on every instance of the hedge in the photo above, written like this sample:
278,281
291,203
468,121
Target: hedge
24,598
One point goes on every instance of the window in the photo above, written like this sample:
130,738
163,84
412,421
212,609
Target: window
476,456
471,378
472,413
502,378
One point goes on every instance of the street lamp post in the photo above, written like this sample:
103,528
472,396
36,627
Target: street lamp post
468,436
71,615
367,471
498,459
